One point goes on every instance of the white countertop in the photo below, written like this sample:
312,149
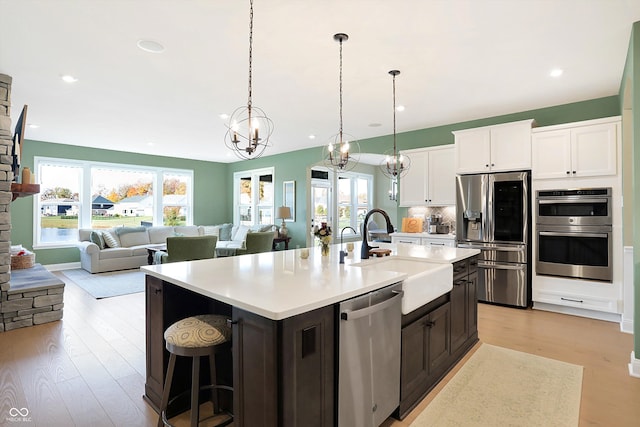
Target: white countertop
449,236
280,284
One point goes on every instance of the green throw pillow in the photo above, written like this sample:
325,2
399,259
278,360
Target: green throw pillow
225,231
96,237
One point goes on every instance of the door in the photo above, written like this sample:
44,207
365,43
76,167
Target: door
320,204
551,154
593,150
413,191
472,151
509,207
511,146
471,214
442,178
503,283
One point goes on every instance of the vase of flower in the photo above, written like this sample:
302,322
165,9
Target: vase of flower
323,234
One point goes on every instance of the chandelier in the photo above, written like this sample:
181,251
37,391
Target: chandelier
249,128
395,164
339,153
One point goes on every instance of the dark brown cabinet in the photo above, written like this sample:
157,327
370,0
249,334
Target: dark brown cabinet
436,336
291,361
282,371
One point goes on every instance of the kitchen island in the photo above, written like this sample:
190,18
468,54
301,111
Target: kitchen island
282,363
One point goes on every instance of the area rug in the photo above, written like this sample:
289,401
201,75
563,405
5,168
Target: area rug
502,387
111,284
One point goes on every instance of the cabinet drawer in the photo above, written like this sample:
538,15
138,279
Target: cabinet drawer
409,240
438,242
576,300
460,269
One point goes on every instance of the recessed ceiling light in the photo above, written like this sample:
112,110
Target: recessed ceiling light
312,136
150,46
400,108
375,125
69,79
556,72
33,126
150,144
224,116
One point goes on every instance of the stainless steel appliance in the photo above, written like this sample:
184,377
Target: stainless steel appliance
573,232
369,357
493,214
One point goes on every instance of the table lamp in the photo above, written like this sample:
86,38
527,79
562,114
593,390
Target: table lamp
284,212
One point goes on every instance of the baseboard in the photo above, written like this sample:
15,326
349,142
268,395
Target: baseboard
592,314
65,266
626,326
634,366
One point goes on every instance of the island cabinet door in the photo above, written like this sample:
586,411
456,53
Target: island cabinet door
472,308
255,370
459,313
439,325
414,359
284,370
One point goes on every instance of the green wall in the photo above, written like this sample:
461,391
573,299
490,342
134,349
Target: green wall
630,86
209,206
213,181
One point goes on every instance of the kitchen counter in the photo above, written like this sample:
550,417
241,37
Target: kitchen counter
450,236
278,285
282,308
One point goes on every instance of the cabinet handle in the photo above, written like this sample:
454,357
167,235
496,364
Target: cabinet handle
459,282
572,300
574,172
157,291
429,324
487,165
568,173
493,164
230,322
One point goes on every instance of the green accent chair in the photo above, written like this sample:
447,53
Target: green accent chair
189,248
256,243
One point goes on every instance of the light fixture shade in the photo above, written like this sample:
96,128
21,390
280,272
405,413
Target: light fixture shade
283,212
395,164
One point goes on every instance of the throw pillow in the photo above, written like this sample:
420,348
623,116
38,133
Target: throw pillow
241,233
211,230
110,240
96,237
225,231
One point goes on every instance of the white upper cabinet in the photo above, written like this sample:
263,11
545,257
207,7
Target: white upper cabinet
575,150
430,180
494,148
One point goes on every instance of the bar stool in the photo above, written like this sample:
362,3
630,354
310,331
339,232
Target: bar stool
196,336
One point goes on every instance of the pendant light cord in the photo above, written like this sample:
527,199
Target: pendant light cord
250,50
340,92
394,116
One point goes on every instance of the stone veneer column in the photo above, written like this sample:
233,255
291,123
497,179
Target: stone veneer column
6,177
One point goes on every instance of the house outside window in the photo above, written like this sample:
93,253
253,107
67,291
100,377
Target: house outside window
82,194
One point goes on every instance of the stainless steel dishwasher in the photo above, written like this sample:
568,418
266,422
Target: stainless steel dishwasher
369,357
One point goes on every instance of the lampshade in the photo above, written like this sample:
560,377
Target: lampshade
284,212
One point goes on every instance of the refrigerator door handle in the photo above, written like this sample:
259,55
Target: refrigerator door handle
499,266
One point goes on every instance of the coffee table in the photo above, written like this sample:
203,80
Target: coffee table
152,251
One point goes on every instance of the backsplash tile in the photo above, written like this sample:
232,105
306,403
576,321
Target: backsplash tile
448,214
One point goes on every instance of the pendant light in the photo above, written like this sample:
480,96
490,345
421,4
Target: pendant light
339,153
395,164
249,128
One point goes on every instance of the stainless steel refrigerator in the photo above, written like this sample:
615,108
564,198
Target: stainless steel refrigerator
493,214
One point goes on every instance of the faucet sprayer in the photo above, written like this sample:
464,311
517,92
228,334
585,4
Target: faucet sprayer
342,251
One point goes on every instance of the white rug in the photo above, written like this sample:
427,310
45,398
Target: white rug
503,387
110,284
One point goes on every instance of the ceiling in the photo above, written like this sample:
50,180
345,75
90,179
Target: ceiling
459,60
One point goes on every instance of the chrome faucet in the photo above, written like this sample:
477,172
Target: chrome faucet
343,253
364,249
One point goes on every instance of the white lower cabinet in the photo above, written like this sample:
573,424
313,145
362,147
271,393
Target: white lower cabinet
404,239
420,239
438,242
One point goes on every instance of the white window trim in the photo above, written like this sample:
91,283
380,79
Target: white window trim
84,221
354,176
255,202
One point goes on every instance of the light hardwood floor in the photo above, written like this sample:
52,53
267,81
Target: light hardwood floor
89,368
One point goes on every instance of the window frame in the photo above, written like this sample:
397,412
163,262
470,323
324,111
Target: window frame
85,200
354,204
255,205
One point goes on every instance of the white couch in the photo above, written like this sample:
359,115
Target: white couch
133,242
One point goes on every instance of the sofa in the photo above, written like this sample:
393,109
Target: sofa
122,248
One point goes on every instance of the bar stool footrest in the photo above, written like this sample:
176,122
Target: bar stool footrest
163,414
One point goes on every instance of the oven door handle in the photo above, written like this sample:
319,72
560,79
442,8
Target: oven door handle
499,266
563,201
562,234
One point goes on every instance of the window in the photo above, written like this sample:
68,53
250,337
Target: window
354,199
253,197
80,194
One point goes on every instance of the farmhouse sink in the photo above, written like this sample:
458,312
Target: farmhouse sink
426,281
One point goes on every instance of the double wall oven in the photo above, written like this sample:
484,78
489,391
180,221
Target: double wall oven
573,232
